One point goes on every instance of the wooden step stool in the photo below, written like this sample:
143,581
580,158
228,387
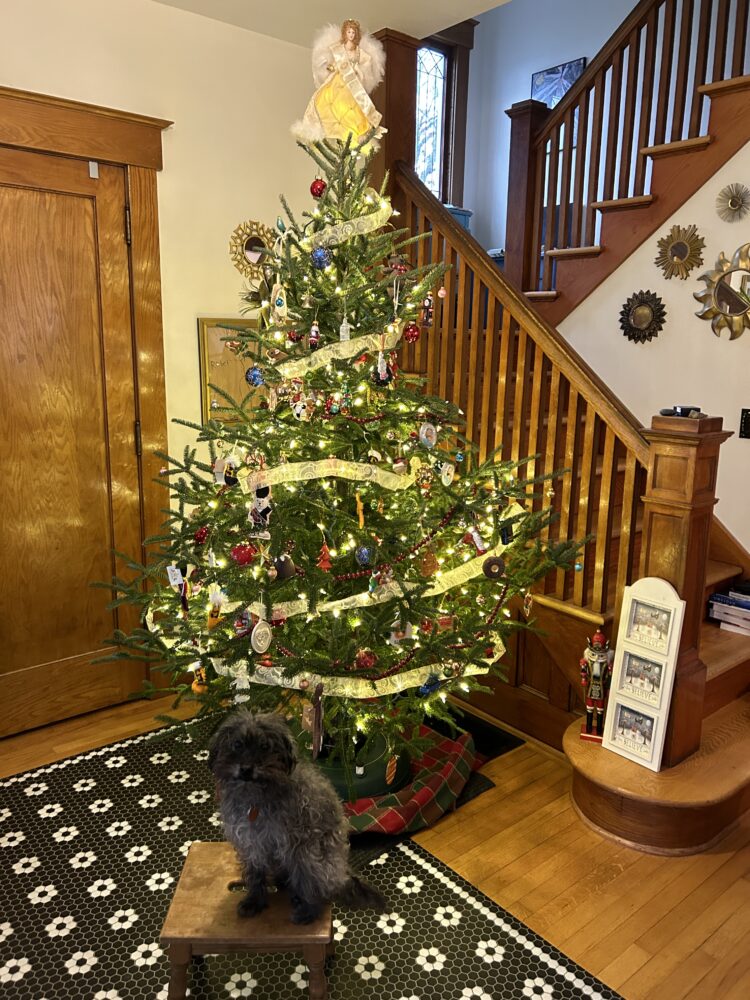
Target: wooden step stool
203,920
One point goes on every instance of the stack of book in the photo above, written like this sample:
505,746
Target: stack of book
732,610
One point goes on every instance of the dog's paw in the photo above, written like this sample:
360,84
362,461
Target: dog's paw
304,913
251,906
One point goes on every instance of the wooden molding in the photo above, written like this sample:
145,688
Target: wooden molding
70,128
680,146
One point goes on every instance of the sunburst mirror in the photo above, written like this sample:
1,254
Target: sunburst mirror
733,202
726,297
248,247
642,316
680,251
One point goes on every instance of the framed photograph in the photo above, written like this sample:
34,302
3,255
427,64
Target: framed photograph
645,661
549,85
635,732
221,366
640,678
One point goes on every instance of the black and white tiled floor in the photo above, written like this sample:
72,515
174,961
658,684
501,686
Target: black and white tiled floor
90,850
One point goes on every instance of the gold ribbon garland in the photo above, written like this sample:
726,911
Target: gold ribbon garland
341,350
336,468
331,236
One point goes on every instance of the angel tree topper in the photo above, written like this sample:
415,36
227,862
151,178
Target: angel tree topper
347,67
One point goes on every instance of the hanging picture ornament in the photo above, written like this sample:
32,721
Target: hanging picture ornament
261,635
493,567
680,251
411,333
725,300
318,187
642,316
733,202
254,376
447,473
428,435
249,244
320,258
427,309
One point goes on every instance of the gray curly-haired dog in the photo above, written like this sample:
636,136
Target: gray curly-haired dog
284,820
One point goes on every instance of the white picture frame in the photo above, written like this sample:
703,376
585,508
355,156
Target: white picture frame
643,671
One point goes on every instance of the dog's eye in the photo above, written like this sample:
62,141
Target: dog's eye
237,745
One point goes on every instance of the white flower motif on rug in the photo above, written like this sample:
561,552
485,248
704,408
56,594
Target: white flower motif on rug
150,801
61,926
107,995
490,951
431,959
38,788
447,916
84,859
160,758
102,887
5,814
299,977
115,762
101,805
538,988
339,930
84,785
369,967
13,838
122,920
177,777
391,923
132,780
203,795
241,984
42,894
119,828
49,811
65,834
147,954
139,853
409,884
81,962
159,880
25,866
170,823
6,930
475,993
14,970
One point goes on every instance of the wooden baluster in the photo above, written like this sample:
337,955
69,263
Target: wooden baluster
613,125
740,38
594,160
420,348
567,164
701,65
585,505
474,373
720,41
683,63
572,455
519,395
447,328
537,235
437,254
488,373
550,229
507,336
427,344
460,329
582,125
603,545
628,118
533,445
647,96
626,544
553,421
665,73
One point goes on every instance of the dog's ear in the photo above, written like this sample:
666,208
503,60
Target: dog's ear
218,743
285,744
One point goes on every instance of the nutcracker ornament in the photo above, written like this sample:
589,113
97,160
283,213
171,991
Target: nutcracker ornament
596,673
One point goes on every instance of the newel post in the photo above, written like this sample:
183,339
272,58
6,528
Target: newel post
396,99
527,118
679,502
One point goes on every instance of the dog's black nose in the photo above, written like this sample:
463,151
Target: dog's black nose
247,773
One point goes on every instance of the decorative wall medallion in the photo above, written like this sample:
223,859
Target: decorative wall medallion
680,251
726,298
248,247
642,316
733,202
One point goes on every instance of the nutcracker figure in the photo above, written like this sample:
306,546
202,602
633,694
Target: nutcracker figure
596,672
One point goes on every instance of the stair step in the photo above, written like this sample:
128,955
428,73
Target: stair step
727,658
725,86
719,574
620,204
680,146
573,253
549,296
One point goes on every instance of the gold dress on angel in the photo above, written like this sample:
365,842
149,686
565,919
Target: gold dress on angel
341,106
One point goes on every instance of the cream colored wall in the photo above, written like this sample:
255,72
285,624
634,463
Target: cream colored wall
231,94
686,363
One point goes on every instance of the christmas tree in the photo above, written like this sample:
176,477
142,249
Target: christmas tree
334,551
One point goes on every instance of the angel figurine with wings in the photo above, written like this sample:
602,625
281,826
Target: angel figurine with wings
347,66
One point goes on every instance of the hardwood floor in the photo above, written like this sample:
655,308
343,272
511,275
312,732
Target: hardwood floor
649,926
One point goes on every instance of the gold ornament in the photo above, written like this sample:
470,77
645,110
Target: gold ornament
733,202
726,298
680,251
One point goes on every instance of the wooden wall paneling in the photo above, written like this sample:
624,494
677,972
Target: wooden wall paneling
740,37
679,89
628,118
594,159
665,72
613,125
701,65
647,97
582,127
585,511
396,99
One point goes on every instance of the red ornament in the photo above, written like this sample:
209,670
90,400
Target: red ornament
244,554
294,336
201,535
324,558
317,188
411,333
365,659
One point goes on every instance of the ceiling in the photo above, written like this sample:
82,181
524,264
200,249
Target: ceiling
297,20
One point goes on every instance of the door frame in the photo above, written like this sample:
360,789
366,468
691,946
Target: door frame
41,123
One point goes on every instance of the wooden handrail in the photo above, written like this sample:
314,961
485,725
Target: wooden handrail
601,61
554,345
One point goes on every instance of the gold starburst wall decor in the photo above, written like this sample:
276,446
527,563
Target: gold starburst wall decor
726,297
680,251
642,316
248,247
733,202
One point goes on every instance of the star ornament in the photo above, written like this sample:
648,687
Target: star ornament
725,301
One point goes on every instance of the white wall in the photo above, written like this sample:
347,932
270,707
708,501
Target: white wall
231,94
686,363
511,43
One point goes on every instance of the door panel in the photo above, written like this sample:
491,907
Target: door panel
68,467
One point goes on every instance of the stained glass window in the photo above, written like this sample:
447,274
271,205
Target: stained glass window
432,68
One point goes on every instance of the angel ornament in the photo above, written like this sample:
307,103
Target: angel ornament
347,67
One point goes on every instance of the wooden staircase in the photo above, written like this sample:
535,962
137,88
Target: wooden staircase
659,110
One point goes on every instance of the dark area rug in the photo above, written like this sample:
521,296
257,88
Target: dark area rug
91,848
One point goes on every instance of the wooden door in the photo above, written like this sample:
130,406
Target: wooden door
69,475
